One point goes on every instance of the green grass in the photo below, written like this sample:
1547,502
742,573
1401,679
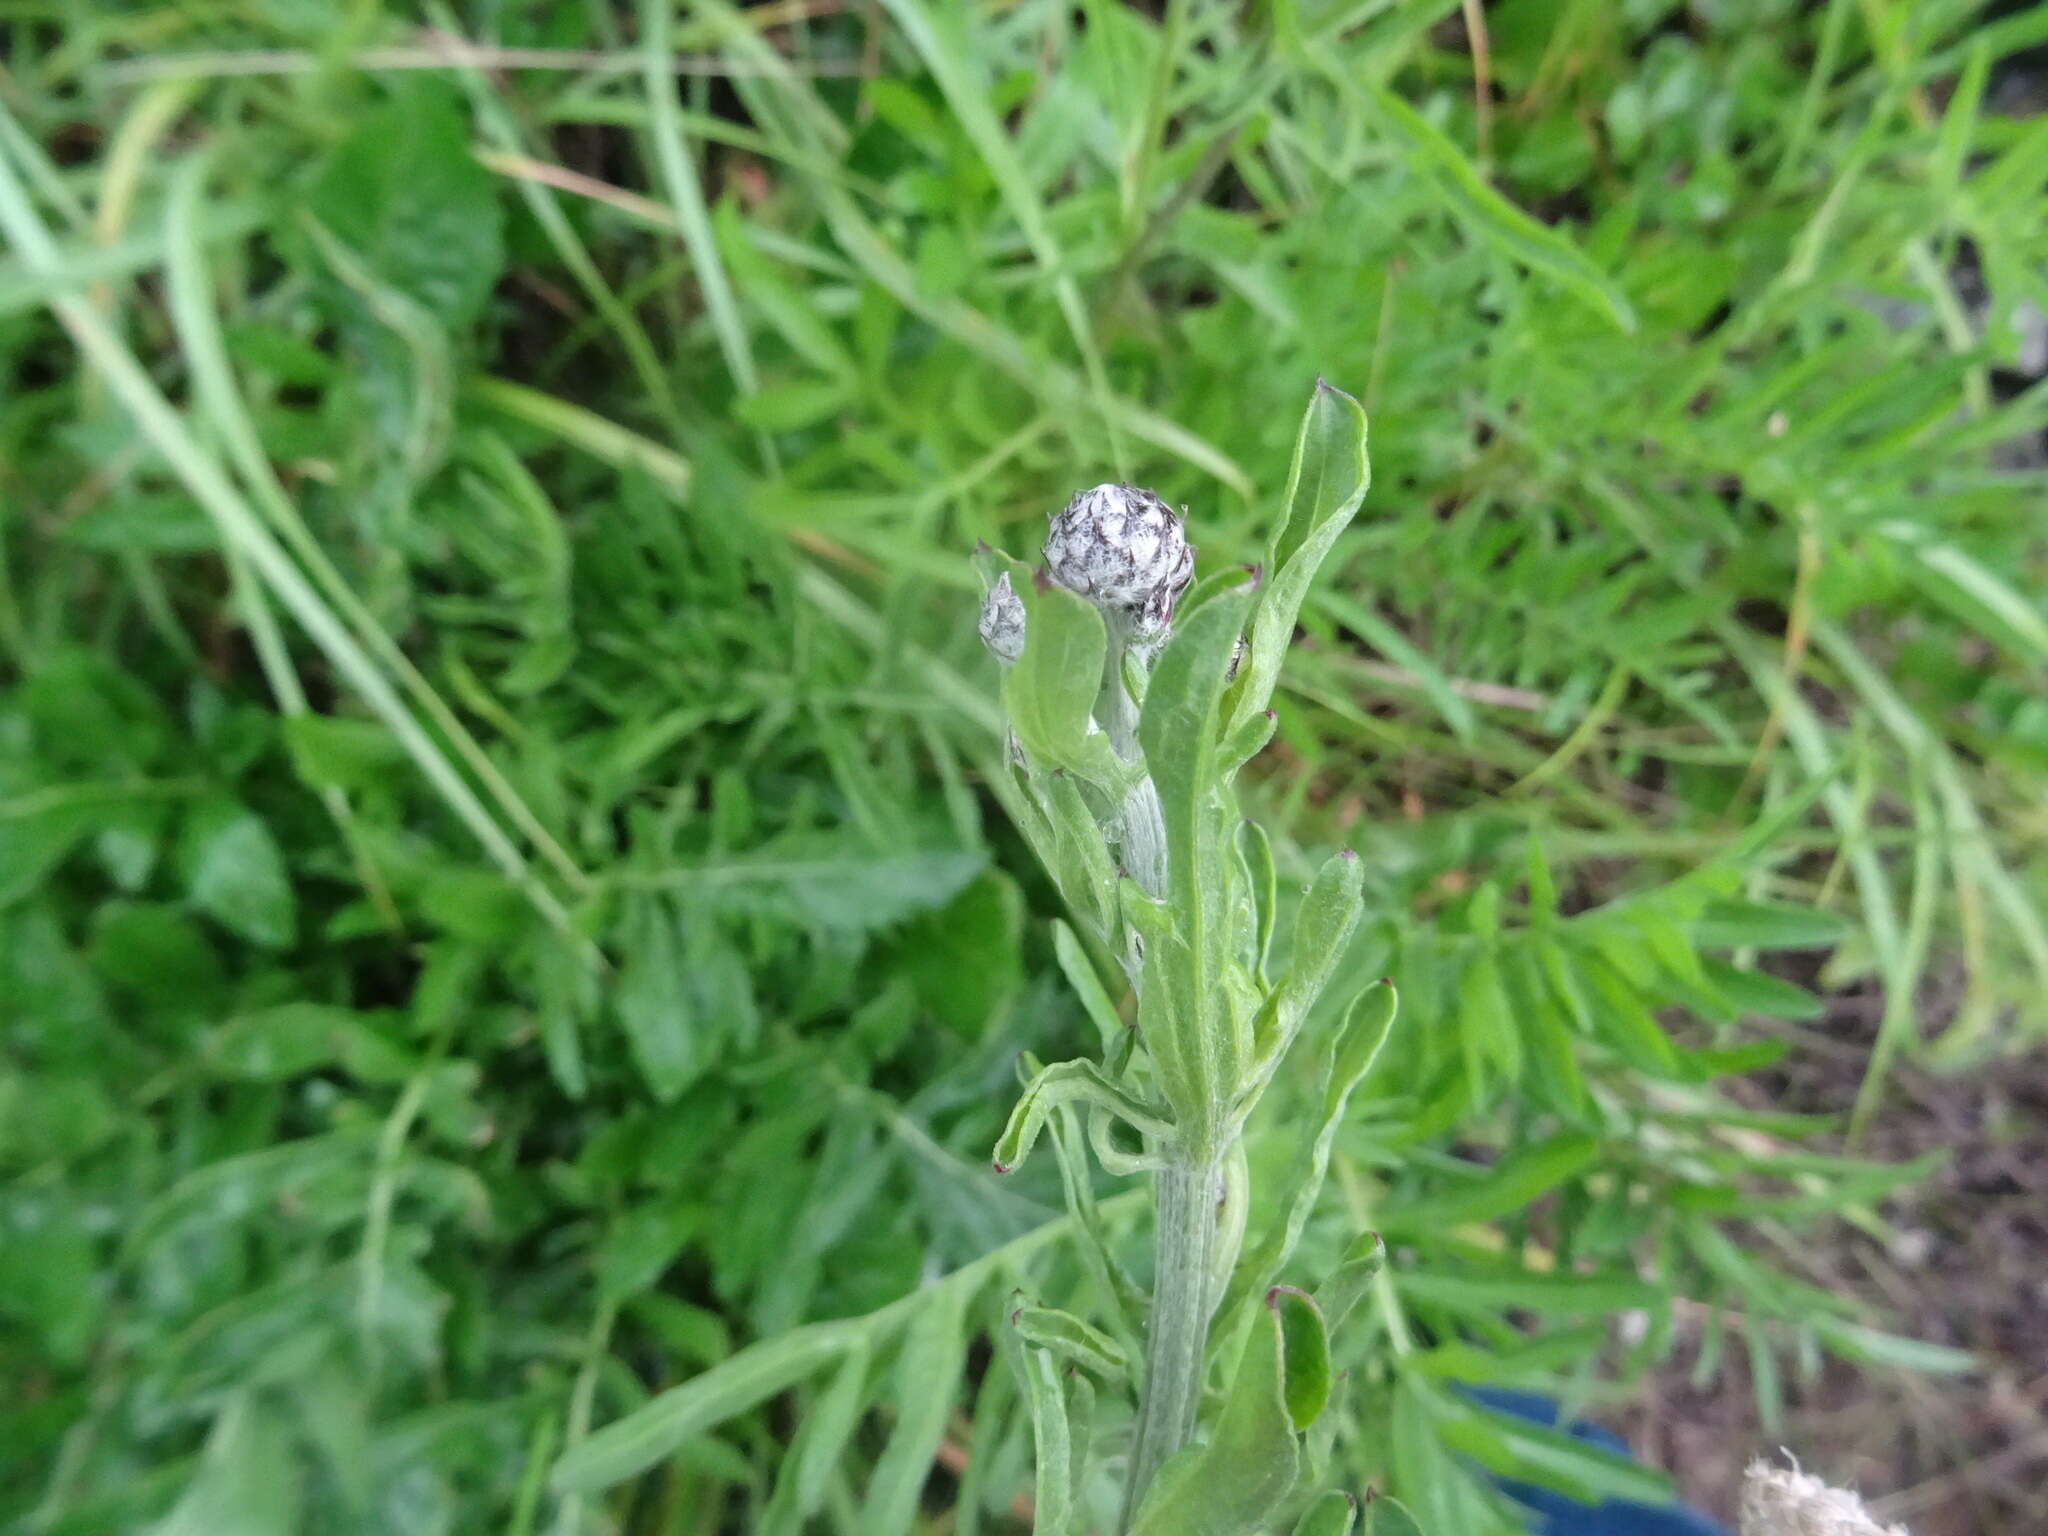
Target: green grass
499,898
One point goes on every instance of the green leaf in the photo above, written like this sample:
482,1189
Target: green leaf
1351,1058
1232,1484
964,957
1512,232
247,1484
1765,925
1078,858
335,751
1322,930
1873,1347
1081,976
1515,1447
288,1040
826,1431
629,1446
1070,1082
1325,488
145,523
1360,1040
1053,1489
1568,1295
1063,1334
1359,1267
1255,849
1390,1517
654,1004
1304,1352
234,1189
34,841
1487,1028
927,1378
156,948
1510,1184
641,1244
1178,730
1330,1515
1759,992
234,872
403,193
837,883
1050,692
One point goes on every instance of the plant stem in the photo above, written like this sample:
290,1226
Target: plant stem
1143,837
1179,1329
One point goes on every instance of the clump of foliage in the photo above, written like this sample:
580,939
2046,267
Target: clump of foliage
1133,708
502,904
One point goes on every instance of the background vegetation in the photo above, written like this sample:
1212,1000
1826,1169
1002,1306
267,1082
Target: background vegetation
497,903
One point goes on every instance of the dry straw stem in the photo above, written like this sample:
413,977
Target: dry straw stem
1784,1501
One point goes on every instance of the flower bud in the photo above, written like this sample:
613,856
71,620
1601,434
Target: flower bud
1788,1502
1124,550
1002,621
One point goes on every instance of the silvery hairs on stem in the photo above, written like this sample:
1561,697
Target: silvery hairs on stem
1784,1501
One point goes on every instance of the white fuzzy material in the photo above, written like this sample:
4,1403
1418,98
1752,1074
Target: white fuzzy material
1125,550
1002,621
1784,1501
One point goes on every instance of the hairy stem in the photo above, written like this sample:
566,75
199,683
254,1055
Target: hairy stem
1178,1332
1143,834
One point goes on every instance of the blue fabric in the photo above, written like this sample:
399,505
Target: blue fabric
1552,1514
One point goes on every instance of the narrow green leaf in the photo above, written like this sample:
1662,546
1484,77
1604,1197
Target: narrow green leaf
927,1380
1510,1184
629,1446
1518,1448
827,1430
686,195
1759,992
1765,925
1509,230
1359,1267
1325,488
1081,976
1048,1328
1053,1491
1567,1295
1255,849
1070,1082
1351,1058
1178,730
1873,1347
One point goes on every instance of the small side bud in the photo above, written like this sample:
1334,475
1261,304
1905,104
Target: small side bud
1002,621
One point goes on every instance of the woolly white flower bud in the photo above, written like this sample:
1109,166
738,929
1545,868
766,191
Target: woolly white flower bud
1778,1501
1002,621
1124,550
